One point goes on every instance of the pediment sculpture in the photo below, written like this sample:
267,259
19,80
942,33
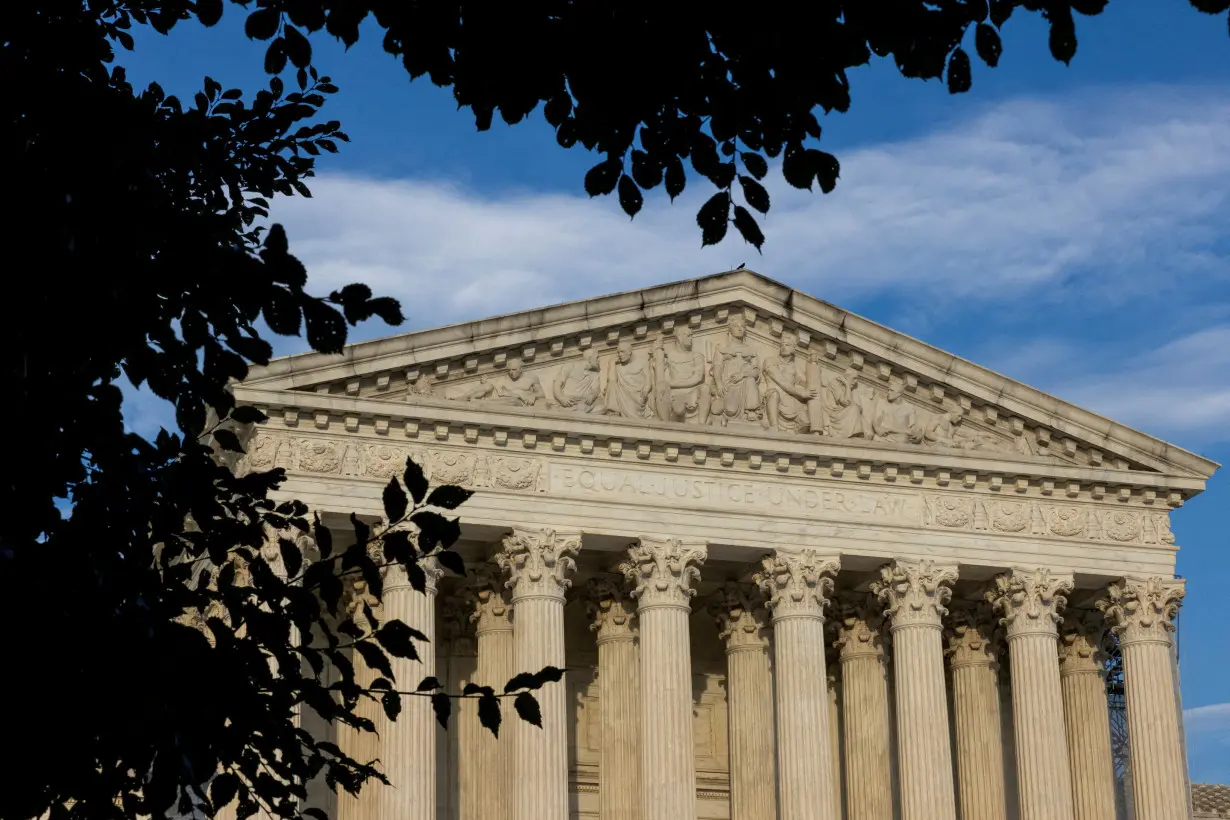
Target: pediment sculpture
789,391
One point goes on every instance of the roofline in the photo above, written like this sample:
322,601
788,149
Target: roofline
758,292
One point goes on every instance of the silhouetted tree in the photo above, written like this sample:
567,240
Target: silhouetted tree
162,622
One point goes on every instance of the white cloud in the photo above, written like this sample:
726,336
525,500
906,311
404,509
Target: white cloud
1027,196
1207,730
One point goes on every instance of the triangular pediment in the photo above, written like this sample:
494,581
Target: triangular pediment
873,387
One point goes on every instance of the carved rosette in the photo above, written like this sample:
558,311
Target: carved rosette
490,609
797,584
538,562
915,593
1142,610
1082,637
612,616
859,627
1030,600
741,616
972,635
662,571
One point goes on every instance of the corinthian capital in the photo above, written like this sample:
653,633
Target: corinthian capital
538,562
914,593
490,609
1030,600
610,609
1142,610
972,635
741,617
1081,639
662,571
797,584
859,626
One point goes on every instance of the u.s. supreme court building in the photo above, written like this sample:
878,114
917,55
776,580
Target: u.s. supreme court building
796,564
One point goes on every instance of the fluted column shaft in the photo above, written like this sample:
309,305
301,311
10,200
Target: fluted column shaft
1030,602
1087,716
538,563
662,572
864,690
743,623
798,585
974,642
914,593
1141,612
619,793
407,746
486,760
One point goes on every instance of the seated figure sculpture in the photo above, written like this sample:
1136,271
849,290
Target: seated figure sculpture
791,404
629,388
679,375
736,377
578,386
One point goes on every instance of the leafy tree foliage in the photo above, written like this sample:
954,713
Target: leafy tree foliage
163,635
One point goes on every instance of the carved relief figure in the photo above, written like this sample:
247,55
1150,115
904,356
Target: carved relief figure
630,385
790,404
843,417
578,385
893,419
516,388
679,374
736,377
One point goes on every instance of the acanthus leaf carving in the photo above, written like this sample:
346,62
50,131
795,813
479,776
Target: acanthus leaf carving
610,609
915,593
741,616
539,561
491,610
859,626
1030,600
1142,610
973,635
662,571
1082,642
797,583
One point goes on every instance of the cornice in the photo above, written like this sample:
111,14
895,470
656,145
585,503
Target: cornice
637,312
433,420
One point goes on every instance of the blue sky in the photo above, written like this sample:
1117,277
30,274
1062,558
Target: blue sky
1066,226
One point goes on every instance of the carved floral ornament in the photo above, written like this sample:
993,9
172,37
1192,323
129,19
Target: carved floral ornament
859,626
973,635
1142,610
1030,600
663,570
487,595
797,583
915,593
538,562
1082,642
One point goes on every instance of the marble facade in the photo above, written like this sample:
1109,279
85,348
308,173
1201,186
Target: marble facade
797,565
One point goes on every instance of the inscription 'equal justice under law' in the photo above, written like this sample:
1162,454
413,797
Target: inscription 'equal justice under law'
726,493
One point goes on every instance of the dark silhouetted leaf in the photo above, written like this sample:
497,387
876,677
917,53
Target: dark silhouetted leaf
747,227
209,12
1063,34
549,674
415,481
227,440
602,178
247,414
826,168
435,530
489,713
448,497
451,561
324,538
292,558
222,789
527,708
713,218
262,24
374,658
629,196
362,532
298,49
398,639
391,701
395,501
754,193
755,164
986,40
427,684
958,72
676,178
442,705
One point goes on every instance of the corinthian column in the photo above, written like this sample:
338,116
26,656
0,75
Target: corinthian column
1082,668
974,642
798,585
1030,602
864,689
407,746
486,764
742,622
619,794
538,563
914,594
662,571
1141,612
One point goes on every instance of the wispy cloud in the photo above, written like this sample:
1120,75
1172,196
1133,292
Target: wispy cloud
1207,730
